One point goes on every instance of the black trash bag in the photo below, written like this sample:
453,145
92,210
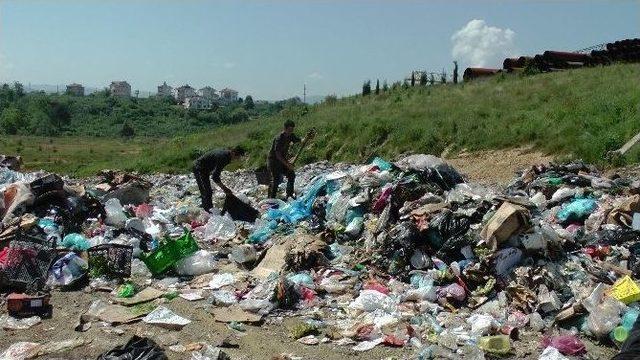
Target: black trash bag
45,184
630,349
634,259
445,226
450,250
238,209
615,237
404,235
443,175
137,348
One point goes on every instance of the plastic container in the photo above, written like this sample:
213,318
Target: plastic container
626,290
169,252
619,334
111,260
498,344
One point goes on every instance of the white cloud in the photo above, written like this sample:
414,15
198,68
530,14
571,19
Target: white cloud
478,44
229,65
315,76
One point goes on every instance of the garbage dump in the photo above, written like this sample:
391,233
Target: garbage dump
403,254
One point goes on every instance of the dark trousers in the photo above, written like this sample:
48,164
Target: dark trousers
278,171
204,185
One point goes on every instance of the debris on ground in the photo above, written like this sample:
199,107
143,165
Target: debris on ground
403,254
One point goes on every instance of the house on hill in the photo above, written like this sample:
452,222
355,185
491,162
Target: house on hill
120,89
75,89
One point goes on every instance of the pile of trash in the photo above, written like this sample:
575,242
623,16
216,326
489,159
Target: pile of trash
403,254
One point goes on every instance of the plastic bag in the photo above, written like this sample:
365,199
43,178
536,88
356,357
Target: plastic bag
201,262
75,241
23,350
11,323
445,226
605,317
210,353
115,213
137,348
498,344
551,353
566,344
220,280
238,209
243,254
220,228
224,297
67,270
164,317
577,210
371,300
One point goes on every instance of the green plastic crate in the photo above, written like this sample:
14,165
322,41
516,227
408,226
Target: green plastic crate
169,252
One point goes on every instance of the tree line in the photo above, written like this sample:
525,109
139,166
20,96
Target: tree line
100,114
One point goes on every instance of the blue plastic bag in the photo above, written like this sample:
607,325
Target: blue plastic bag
577,210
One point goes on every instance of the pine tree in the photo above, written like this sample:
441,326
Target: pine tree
423,78
377,86
366,88
455,72
432,79
248,102
413,79
385,86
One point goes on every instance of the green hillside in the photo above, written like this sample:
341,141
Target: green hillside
580,113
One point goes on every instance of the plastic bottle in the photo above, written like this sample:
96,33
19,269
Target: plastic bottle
621,333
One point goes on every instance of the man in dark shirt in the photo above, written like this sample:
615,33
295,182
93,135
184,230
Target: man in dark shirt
211,164
278,160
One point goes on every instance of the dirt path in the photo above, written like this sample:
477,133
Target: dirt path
494,167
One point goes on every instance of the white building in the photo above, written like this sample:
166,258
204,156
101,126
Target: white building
165,90
198,103
183,92
75,89
120,88
228,95
208,92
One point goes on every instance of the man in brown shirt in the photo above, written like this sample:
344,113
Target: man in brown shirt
278,162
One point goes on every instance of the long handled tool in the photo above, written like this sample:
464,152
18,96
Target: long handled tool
310,134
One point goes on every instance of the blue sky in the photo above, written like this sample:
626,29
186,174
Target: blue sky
270,48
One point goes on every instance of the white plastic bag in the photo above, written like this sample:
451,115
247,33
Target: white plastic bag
371,300
201,262
164,317
220,228
220,280
115,213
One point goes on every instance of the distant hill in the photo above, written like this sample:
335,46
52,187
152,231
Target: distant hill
580,113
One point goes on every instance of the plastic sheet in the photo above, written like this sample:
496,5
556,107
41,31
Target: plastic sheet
164,317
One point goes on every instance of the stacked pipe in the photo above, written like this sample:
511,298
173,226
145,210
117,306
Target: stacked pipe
474,73
627,50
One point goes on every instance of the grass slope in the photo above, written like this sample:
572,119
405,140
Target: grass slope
579,114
